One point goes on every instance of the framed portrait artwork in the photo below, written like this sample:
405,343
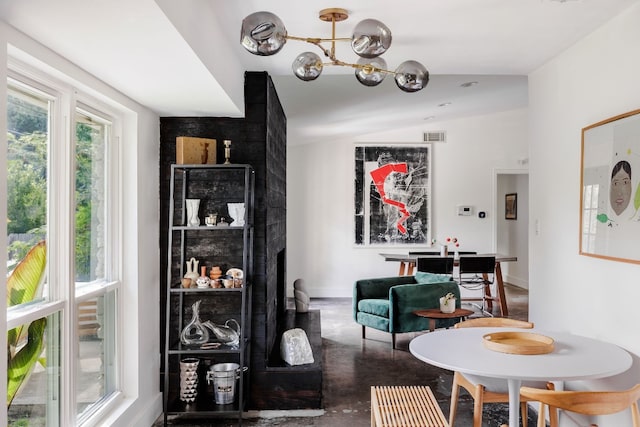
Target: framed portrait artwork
392,195
610,189
511,206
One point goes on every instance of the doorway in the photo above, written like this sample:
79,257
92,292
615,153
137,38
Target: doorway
511,223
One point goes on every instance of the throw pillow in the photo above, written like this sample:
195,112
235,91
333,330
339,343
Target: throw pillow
423,277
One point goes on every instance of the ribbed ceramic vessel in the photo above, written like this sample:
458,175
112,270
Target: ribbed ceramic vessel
189,379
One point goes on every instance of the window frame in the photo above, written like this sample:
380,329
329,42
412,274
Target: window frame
64,294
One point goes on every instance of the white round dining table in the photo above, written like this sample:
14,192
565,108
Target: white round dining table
574,357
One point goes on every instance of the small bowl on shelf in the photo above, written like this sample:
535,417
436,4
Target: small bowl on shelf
227,282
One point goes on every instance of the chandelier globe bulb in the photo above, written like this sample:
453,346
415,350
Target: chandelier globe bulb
307,66
411,76
263,33
368,73
371,38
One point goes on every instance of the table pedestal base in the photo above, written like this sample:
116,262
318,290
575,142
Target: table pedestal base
514,402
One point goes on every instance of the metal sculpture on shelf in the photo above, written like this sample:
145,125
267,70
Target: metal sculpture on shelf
196,333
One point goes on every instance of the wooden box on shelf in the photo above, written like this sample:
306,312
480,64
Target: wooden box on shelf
195,151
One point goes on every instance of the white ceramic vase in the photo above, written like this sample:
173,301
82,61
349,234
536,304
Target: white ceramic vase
193,205
448,306
192,270
236,211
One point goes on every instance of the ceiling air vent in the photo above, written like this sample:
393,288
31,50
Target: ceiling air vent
438,136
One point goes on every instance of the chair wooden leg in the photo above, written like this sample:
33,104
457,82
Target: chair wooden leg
553,416
478,402
635,414
455,393
553,412
393,341
524,413
541,418
363,334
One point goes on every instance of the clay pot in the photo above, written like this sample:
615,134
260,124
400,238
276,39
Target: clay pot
215,273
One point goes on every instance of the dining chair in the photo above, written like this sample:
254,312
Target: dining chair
584,402
477,273
486,390
437,265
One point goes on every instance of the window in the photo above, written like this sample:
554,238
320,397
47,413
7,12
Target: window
28,116
95,311
31,363
63,224
589,217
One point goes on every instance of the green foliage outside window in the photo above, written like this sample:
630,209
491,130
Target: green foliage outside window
25,346
27,189
85,155
27,174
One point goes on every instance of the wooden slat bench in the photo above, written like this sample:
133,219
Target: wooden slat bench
405,406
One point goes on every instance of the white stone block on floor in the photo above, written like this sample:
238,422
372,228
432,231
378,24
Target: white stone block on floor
295,348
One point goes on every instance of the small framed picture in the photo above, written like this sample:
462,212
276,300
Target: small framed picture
511,206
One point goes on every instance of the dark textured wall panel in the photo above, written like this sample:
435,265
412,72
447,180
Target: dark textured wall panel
260,141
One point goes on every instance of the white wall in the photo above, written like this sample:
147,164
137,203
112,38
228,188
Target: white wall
140,352
320,194
595,79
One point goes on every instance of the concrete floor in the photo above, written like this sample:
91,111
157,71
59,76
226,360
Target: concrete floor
351,365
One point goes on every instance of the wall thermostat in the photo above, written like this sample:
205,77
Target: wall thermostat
465,210
481,214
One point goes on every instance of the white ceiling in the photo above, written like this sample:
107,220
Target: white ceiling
184,58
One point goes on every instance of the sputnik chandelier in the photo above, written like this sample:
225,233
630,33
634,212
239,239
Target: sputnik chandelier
264,34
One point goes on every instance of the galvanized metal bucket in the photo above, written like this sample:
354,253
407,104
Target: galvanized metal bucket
224,376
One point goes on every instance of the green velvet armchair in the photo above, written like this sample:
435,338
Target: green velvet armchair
388,303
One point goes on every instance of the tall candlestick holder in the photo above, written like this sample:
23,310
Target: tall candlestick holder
227,151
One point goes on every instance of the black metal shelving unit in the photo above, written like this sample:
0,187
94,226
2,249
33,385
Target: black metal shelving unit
229,246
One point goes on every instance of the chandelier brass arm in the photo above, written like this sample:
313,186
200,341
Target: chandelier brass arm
316,40
367,68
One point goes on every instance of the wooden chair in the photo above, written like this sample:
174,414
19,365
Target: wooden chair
584,402
478,273
478,391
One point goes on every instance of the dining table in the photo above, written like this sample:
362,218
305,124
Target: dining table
572,357
408,263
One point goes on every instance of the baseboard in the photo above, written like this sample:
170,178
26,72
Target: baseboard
291,413
517,281
130,412
149,414
331,292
